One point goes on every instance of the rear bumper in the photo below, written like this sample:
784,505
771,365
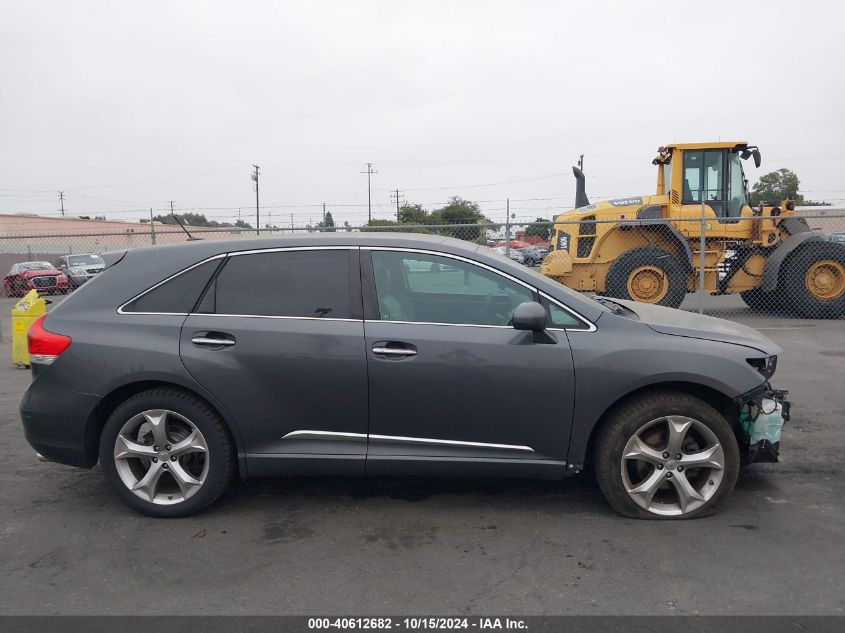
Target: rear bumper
55,422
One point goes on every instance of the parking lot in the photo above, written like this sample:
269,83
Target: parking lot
391,546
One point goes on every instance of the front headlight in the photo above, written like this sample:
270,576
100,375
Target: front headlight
765,366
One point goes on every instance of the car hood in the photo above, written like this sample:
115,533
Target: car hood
41,272
692,325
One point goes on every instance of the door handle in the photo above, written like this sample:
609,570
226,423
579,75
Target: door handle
212,341
393,351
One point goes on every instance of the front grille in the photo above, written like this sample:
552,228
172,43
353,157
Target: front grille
45,282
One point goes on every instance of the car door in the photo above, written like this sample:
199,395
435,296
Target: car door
278,338
453,387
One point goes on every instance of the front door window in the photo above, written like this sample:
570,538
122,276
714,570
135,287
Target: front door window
433,289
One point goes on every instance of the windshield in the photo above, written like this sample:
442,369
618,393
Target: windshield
85,260
736,194
35,266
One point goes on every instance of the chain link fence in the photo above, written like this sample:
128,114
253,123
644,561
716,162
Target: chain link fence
740,268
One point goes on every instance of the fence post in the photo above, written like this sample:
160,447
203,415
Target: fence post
702,244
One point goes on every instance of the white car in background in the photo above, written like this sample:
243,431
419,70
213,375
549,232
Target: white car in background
514,254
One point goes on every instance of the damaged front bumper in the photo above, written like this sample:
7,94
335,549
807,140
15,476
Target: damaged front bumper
762,414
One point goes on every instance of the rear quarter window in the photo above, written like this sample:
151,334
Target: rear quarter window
177,295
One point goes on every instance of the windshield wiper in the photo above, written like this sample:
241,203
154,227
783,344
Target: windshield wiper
614,307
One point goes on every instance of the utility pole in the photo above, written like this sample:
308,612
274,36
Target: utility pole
397,195
581,162
324,215
370,171
171,207
291,223
62,200
152,228
254,177
508,229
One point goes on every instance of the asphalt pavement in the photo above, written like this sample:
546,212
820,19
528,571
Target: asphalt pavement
441,546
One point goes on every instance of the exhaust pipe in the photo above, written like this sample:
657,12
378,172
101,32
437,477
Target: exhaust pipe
581,199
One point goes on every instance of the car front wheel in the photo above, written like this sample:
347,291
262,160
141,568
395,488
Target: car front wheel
666,455
166,453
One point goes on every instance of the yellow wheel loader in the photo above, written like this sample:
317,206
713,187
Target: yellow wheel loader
648,248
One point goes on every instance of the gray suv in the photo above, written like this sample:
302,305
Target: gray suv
180,367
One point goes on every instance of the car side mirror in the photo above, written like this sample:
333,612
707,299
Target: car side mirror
529,316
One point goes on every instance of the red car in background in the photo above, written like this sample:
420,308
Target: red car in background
41,276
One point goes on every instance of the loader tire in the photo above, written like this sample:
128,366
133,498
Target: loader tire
647,274
762,301
813,279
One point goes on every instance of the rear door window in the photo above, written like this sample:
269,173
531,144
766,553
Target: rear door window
306,283
177,295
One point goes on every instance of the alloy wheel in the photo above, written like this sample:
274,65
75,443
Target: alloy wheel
161,456
672,465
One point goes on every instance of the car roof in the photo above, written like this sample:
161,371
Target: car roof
151,264
208,248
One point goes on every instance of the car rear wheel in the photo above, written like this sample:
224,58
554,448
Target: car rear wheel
166,453
666,455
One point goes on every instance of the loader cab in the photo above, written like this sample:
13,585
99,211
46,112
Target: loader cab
714,175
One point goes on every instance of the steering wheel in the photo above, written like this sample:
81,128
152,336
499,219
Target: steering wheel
507,317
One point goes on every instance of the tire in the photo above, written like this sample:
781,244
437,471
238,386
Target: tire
207,458
649,418
646,264
813,280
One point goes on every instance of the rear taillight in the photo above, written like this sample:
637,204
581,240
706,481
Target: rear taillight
45,346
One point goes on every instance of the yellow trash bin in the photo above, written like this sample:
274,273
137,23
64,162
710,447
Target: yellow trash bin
24,313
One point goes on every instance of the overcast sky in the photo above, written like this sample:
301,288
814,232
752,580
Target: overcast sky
127,105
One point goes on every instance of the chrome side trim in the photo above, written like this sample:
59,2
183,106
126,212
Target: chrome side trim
427,440
323,435
120,310
337,435
591,327
267,316
279,249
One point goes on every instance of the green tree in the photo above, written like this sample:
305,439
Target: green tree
242,225
327,223
460,211
380,223
774,187
189,219
543,231
413,214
